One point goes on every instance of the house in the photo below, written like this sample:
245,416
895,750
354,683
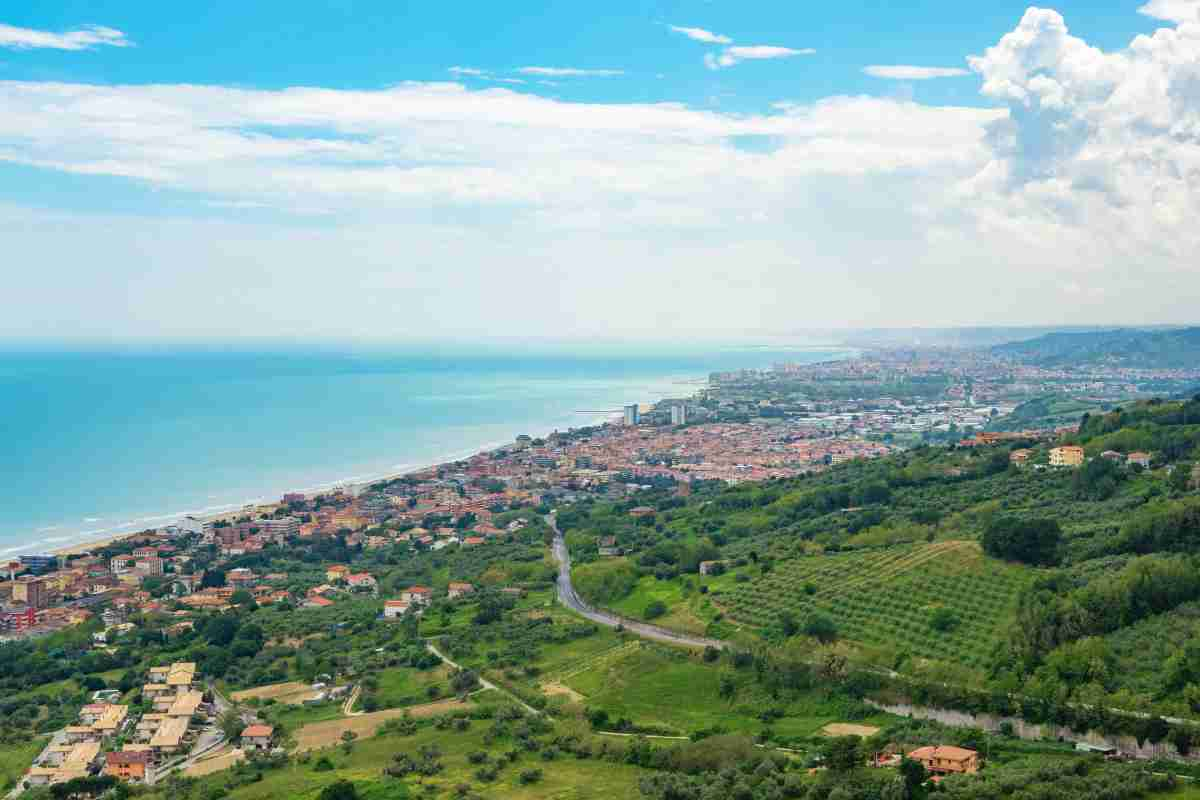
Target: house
361,580
316,601
1066,456
607,546
128,765
472,541
1112,455
712,567
946,759
641,511
1020,457
417,595
336,573
240,578
1139,458
456,590
394,609
257,737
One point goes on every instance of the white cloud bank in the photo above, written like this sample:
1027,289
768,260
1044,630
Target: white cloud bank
701,35
570,72
761,52
1074,201
906,72
85,38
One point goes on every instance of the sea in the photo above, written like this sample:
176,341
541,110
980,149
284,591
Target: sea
95,444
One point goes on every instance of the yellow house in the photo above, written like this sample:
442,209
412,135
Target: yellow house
1066,456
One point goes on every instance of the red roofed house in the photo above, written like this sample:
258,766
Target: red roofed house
946,760
128,765
361,580
471,541
418,595
459,589
393,609
257,737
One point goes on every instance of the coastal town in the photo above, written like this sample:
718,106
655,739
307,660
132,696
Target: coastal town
743,427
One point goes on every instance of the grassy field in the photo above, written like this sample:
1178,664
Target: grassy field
656,686
16,758
885,599
291,692
564,778
404,686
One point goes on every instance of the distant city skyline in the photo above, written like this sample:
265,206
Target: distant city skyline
398,172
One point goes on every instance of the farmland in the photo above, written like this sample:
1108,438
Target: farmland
886,599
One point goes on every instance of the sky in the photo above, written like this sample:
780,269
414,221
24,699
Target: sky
648,169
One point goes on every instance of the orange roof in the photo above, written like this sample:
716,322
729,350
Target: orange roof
258,731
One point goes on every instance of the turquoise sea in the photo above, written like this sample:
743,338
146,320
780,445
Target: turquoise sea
97,443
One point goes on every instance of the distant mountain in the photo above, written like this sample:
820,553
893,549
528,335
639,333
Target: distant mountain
1125,347
972,337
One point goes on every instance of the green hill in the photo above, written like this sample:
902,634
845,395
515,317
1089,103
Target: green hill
1126,347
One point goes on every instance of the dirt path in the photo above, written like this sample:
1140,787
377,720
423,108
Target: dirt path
325,734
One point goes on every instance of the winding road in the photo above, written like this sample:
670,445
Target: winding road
569,598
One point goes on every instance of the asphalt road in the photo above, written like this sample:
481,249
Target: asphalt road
569,598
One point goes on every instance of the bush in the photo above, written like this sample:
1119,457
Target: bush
654,609
528,776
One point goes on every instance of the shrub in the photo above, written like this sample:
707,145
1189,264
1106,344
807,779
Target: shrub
654,609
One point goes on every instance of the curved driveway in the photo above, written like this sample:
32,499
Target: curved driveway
569,598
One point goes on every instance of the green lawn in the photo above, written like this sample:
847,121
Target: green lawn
664,688
405,686
15,759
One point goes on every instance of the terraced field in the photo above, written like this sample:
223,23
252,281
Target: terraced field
887,598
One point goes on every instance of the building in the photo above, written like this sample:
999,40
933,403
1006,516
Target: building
417,595
631,414
1139,458
456,590
1020,457
257,737
279,529
946,760
128,765
607,546
361,580
679,415
39,564
394,609
1066,456
32,591
336,573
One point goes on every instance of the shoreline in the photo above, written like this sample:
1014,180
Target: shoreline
207,515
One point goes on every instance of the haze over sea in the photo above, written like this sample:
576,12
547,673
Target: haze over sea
103,443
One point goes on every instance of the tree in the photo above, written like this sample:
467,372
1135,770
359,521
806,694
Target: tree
339,790
220,630
212,578
231,724
1028,540
821,628
914,775
655,609
843,753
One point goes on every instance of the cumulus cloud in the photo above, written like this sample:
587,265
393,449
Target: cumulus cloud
730,56
905,72
84,38
1172,10
701,35
569,72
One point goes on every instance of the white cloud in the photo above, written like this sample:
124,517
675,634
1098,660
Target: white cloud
1073,200
1172,10
84,38
701,35
905,72
468,71
730,56
569,72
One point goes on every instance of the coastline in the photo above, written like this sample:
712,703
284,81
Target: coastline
86,546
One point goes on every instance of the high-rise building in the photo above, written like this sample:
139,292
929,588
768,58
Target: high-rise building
631,414
38,564
679,414
31,591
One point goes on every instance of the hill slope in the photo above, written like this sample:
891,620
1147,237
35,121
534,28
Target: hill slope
1122,347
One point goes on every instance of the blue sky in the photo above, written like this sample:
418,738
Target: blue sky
273,44
204,159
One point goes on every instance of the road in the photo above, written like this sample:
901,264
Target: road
569,598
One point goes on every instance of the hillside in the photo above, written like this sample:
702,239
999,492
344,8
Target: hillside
1153,349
